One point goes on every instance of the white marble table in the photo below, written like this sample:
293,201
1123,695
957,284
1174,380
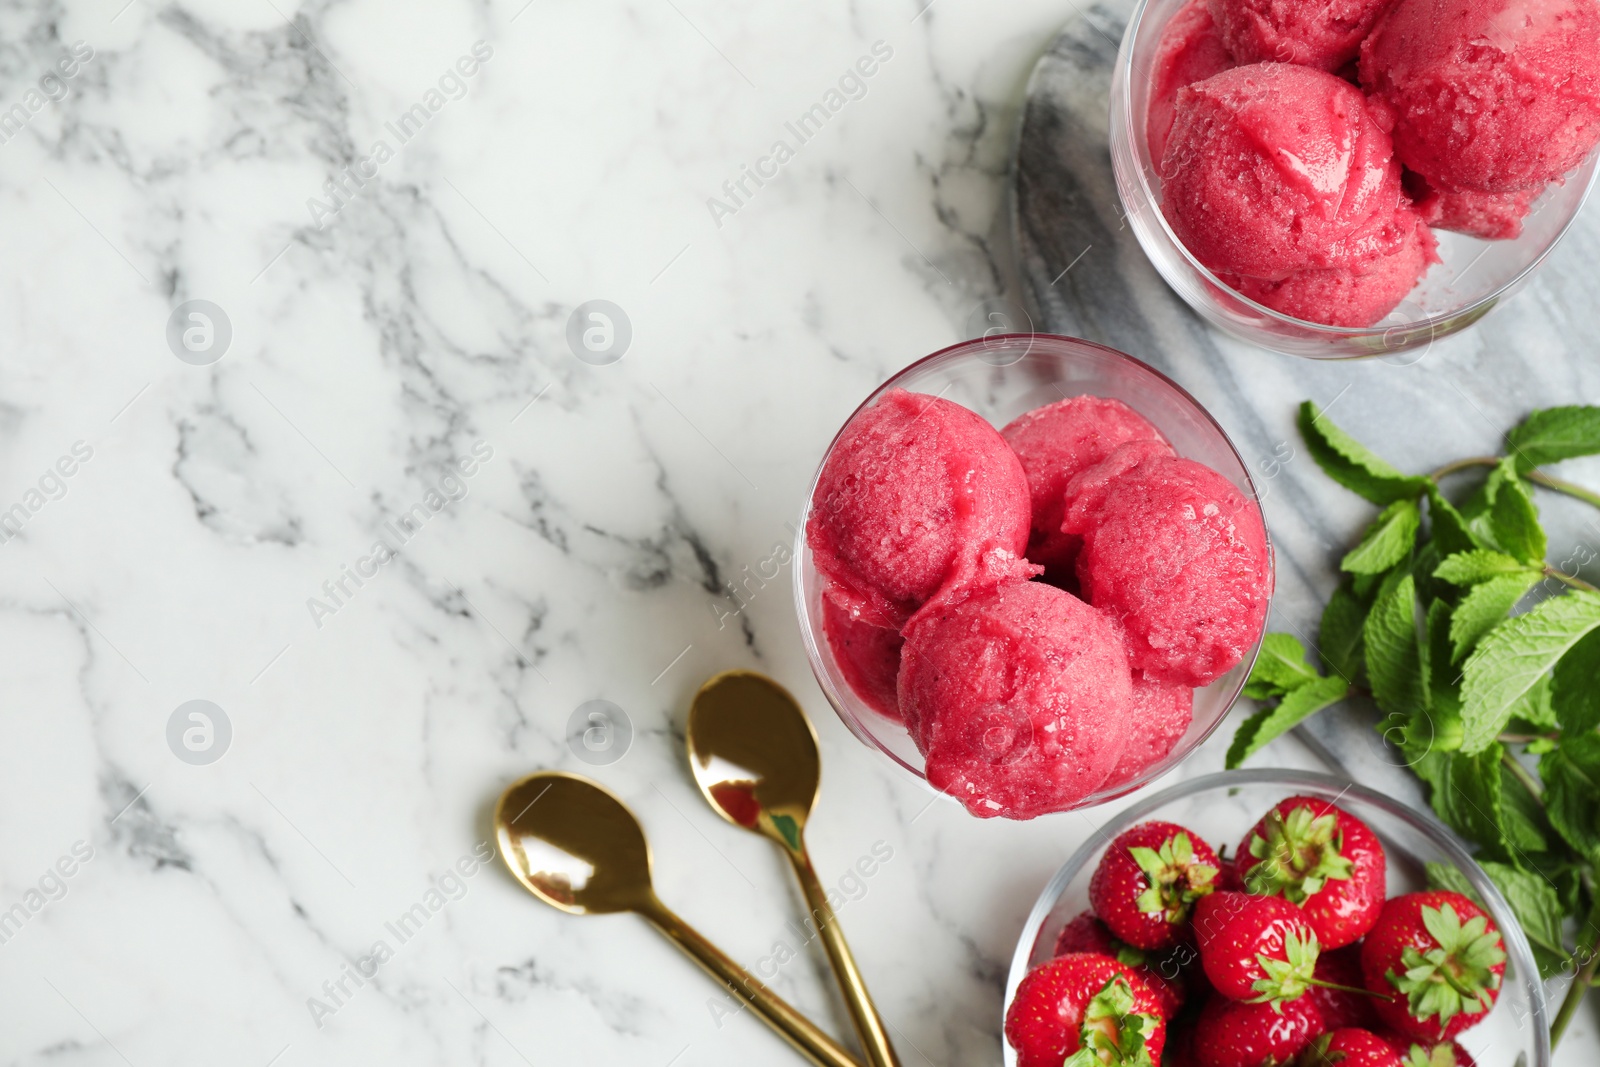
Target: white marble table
215,537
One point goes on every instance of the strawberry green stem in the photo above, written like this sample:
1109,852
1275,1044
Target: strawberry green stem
1589,952
1348,989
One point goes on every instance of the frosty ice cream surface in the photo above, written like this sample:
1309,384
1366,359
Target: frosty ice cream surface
1307,149
1036,603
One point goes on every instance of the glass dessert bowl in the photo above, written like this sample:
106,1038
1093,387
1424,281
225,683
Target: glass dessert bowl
1474,277
1221,808
1000,378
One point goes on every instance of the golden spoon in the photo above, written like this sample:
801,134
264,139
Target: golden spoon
575,846
754,754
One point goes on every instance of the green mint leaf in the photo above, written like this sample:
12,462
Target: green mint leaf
1535,712
1467,796
1575,688
1538,910
1444,680
1256,690
1523,818
1265,725
1514,520
1445,876
1554,434
1571,776
1424,561
1448,526
1479,565
1394,658
1387,541
1485,607
1511,658
1282,664
1351,464
1339,639
1434,617
1419,737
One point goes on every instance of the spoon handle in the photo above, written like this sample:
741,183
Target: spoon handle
799,1031
869,1027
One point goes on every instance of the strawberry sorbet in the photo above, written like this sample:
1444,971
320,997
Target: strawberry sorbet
1178,555
1160,715
1291,186
1054,443
1325,34
1488,95
1491,216
1088,489
1191,50
868,656
1018,697
1024,698
919,495
1274,168
1351,296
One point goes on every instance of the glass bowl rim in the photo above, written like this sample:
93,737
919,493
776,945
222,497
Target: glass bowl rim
810,629
1437,324
1516,942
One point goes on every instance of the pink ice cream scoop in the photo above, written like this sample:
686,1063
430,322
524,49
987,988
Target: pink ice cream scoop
1160,714
1190,50
1350,296
1178,555
1488,95
1491,216
1086,492
918,495
1055,442
1274,168
1325,34
868,657
1018,697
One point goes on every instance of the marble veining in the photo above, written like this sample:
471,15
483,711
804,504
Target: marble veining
285,527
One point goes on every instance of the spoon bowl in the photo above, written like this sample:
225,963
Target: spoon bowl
574,845
754,755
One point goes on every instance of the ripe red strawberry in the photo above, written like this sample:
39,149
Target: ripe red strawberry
1424,1054
1163,974
1255,948
1232,1033
1083,1002
1341,1008
1321,858
1438,959
1148,881
1348,1047
1085,933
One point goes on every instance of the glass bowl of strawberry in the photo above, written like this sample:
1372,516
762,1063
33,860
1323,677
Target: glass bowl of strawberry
1033,572
1270,916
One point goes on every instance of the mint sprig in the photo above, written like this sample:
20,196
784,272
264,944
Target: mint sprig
1513,656
1484,659
1555,434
